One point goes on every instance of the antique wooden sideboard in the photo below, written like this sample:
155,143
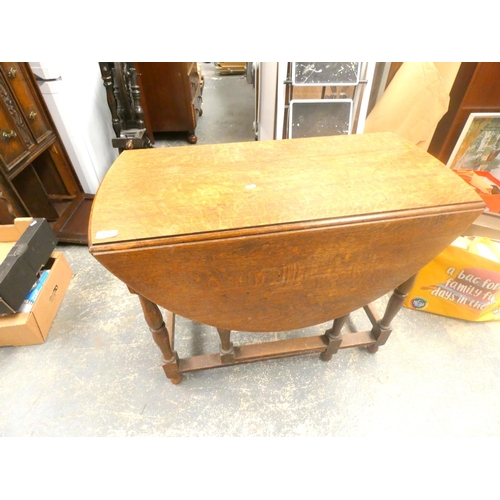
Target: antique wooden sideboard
37,178
275,236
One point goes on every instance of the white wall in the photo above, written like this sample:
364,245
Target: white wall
79,107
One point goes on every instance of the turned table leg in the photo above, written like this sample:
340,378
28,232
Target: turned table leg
333,338
154,319
382,329
226,346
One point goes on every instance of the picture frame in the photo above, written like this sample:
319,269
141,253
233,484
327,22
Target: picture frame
476,157
478,146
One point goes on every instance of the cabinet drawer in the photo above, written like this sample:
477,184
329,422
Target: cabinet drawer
12,148
25,97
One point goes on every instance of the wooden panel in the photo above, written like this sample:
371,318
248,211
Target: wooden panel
166,90
250,185
32,191
439,146
12,148
72,226
475,90
13,203
49,174
286,280
483,90
61,161
25,95
7,214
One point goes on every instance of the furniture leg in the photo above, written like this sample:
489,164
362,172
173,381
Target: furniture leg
226,346
382,329
333,338
154,319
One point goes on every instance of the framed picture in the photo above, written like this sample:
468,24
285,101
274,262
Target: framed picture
476,157
478,147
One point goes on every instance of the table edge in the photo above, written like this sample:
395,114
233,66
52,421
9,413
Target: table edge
107,246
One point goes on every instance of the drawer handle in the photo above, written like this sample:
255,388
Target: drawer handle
12,72
32,116
8,135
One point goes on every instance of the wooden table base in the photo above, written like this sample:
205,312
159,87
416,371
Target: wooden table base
327,344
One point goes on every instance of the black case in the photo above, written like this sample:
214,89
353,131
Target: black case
18,271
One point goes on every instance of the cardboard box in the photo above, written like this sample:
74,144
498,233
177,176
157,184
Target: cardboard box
33,327
25,247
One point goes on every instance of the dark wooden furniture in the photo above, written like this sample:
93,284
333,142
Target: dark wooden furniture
275,236
146,97
126,104
172,93
37,178
475,90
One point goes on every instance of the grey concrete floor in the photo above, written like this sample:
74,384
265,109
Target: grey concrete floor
99,372
228,111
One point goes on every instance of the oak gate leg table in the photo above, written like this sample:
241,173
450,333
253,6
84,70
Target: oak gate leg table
272,236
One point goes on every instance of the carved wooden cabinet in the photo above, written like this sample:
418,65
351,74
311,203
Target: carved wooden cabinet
172,96
36,175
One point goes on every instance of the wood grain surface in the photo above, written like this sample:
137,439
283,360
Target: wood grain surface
170,192
278,235
285,280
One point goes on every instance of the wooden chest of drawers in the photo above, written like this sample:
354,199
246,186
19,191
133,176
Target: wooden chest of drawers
172,93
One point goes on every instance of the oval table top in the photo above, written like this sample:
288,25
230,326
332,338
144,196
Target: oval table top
196,190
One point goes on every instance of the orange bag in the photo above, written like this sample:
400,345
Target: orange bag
462,282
